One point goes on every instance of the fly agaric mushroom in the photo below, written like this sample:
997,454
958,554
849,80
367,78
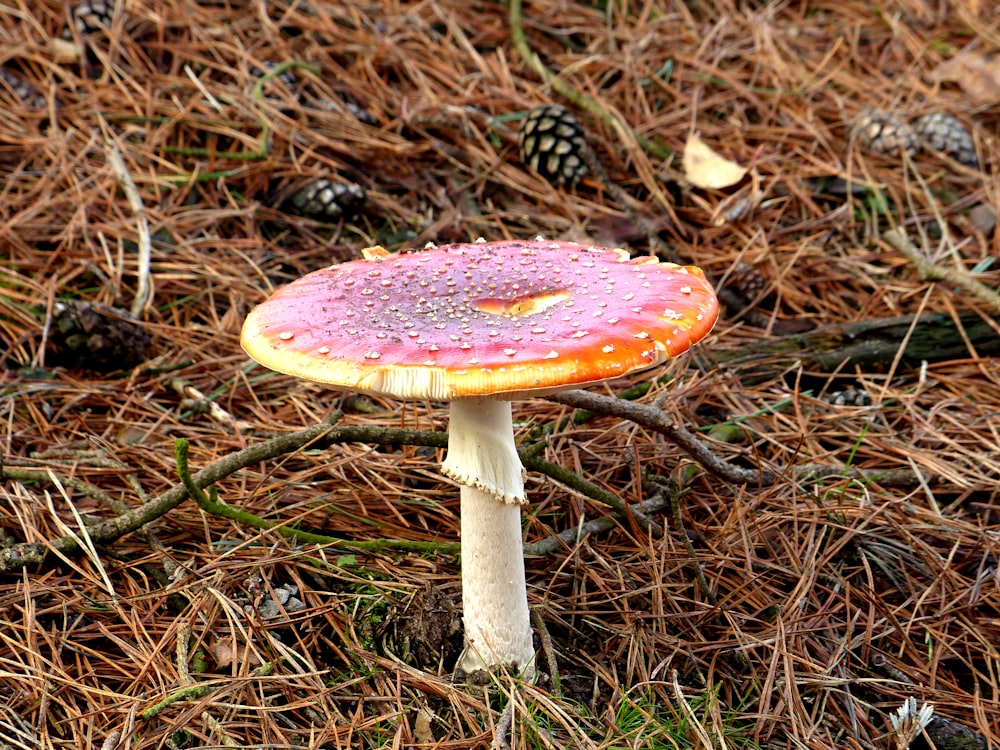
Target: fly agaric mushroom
478,325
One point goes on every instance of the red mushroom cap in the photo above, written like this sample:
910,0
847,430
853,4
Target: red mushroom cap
482,319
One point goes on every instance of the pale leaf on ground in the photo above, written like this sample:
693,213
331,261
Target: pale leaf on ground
704,168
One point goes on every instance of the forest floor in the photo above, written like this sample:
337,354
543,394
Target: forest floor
835,560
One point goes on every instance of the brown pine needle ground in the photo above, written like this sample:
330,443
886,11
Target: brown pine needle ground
802,608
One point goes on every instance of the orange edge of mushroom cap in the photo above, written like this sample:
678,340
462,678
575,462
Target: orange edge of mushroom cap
482,319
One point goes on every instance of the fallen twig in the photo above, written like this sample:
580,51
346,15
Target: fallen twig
655,419
575,482
574,534
325,434
933,272
931,337
20,555
545,637
197,401
672,495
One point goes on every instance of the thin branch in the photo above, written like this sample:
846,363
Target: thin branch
503,726
197,401
20,555
200,690
654,419
575,482
673,499
565,539
930,271
545,638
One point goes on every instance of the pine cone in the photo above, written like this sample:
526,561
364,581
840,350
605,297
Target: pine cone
552,141
748,282
91,16
943,132
851,397
882,133
326,200
93,336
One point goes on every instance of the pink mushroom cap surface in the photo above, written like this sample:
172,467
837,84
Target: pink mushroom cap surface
498,319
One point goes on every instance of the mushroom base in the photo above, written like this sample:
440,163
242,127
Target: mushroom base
495,605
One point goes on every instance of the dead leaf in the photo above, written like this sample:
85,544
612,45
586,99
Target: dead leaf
976,73
225,653
706,169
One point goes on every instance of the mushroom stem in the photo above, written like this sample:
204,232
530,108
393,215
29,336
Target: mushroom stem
481,450
494,594
483,457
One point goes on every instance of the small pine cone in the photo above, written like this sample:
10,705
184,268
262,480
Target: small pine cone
91,16
748,282
326,200
852,397
552,141
943,132
97,337
881,133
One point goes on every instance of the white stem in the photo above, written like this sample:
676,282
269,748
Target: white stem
483,457
494,594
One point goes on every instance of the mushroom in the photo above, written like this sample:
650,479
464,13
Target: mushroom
478,325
